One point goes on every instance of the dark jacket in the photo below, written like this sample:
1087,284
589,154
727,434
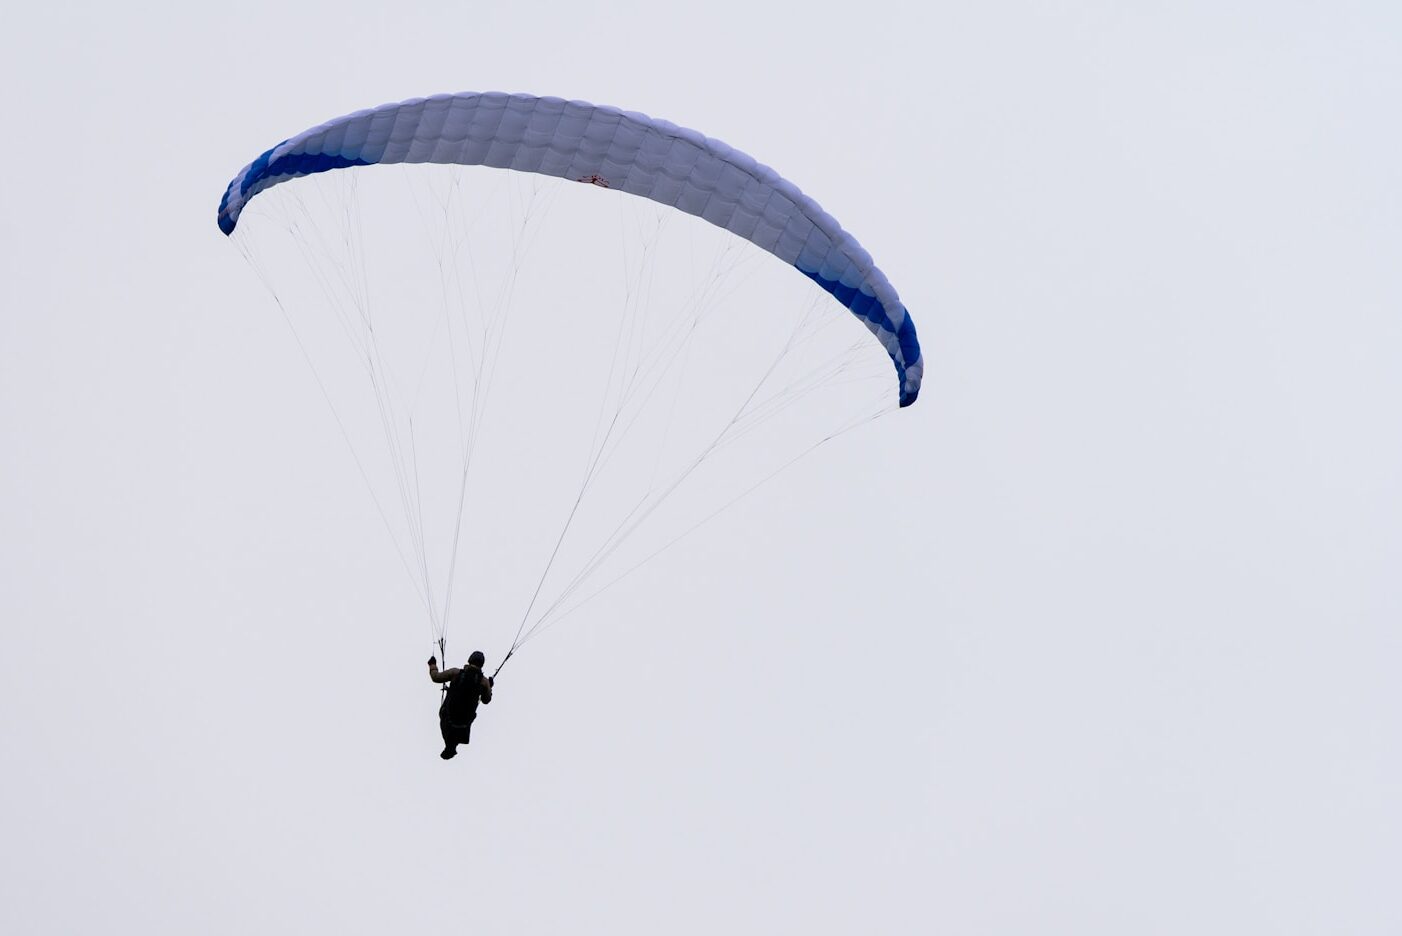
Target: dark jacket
466,687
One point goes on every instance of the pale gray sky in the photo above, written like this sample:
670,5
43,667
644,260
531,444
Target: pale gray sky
1099,637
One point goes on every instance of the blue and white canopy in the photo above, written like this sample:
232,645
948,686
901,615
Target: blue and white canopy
615,149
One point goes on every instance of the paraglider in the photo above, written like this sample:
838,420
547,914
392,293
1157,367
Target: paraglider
645,393
466,687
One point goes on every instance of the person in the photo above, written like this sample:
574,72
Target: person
466,687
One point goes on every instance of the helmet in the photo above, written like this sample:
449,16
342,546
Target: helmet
476,658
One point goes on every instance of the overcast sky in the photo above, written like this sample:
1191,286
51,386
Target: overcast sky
1099,637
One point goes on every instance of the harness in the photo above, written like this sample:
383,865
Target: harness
463,695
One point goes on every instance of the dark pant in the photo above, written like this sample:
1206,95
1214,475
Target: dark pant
455,733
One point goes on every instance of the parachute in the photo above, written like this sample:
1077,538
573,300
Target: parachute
453,349
615,149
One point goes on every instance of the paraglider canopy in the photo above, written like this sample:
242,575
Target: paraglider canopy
620,150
